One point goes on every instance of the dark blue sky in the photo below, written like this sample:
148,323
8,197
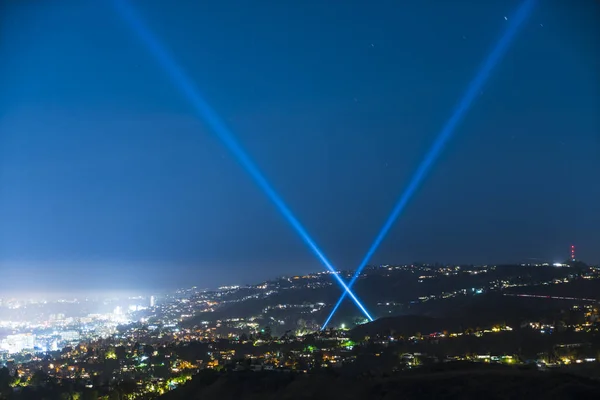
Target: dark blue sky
107,175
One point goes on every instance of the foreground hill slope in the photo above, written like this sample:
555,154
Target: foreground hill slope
471,382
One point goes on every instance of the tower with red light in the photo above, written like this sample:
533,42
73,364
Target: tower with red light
572,253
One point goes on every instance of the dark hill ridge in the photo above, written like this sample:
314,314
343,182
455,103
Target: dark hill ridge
588,289
463,312
489,308
471,382
403,287
406,325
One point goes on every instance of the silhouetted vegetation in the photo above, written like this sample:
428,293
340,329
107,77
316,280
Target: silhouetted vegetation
442,381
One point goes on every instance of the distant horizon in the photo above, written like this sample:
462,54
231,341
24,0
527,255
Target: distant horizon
157,290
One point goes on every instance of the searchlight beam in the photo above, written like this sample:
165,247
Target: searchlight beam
204,111
434,152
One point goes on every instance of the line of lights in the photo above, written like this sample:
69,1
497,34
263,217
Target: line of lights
474,87
185,84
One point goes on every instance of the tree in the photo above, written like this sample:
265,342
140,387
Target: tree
90,395
121,353
136,348
39,378
266,333
127,387
301,364
310,340
161,371
5,380
148,350
114,395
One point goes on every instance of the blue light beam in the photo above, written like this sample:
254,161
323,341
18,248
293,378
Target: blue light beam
185,84
463,106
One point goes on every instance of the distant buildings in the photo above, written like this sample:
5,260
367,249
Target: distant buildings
17,343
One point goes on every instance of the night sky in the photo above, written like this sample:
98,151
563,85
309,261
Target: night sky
108,177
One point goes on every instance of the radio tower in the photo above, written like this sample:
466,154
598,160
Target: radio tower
572,253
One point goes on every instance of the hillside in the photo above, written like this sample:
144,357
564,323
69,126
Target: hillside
399,292
470,382
406,325
458,314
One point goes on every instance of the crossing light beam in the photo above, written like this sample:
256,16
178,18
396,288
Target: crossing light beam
462,107
185,84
